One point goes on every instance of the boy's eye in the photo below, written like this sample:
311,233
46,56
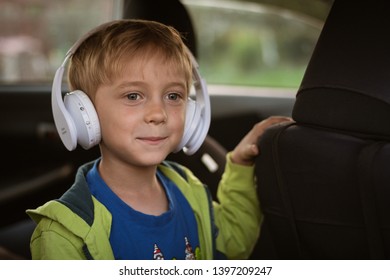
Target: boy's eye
173,96
133,96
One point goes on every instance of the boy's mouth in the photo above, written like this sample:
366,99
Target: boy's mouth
153,140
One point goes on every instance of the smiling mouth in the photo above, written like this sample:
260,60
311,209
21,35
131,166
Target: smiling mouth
152,140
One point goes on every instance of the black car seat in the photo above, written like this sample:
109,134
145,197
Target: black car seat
324,180
169,12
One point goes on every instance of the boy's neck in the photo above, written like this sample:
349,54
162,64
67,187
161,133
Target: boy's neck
138,187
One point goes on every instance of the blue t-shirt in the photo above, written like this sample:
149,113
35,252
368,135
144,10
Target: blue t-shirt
138,236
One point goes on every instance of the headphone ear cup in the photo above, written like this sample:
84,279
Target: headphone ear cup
189,124
85,118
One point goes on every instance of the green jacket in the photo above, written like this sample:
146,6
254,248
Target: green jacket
77,226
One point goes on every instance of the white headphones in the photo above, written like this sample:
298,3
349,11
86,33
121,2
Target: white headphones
77,122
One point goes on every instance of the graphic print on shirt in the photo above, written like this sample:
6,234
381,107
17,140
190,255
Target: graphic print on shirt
189,253
157,254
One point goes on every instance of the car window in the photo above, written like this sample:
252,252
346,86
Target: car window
35,35
252,44
238,43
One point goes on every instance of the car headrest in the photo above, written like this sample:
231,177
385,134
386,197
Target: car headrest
346,85
169,12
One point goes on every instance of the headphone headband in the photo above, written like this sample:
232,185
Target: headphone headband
77,122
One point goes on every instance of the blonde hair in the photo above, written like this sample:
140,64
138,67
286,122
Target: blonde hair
102,55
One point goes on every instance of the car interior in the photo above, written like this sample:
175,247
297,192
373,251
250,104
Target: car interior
321,178
324,183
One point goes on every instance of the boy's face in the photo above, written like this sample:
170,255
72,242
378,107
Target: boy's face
142,112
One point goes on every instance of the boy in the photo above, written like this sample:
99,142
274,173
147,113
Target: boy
127,204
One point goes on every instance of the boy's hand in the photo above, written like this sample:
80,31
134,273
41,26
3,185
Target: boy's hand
247,150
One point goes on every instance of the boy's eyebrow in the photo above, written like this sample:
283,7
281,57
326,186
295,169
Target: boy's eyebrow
129,84
140,83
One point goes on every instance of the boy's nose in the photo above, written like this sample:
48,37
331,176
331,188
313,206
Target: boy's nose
155,112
